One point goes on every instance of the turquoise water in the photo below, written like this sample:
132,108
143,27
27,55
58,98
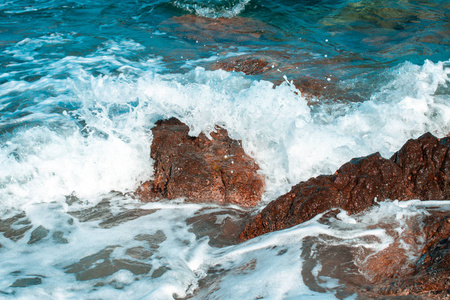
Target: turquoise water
83,82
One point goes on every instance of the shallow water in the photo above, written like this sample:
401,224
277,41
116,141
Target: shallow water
82,84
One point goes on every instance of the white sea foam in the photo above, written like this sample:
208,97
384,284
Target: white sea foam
216,9
290,141
185,258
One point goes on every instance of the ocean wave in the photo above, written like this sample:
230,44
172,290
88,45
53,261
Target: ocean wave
213,9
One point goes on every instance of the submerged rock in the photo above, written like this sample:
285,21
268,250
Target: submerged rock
26,282
38,234
279,66
428,276
249,65
222,226
219,30
415,265
419,170
101,264
199,169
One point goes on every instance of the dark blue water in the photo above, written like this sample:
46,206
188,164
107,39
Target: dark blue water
83,82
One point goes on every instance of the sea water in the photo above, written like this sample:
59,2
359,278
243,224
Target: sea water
83,82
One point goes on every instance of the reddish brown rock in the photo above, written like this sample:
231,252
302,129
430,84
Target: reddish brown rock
200,169
245,64
222,226
313,87
425,163
414,266
275,66
420,170
429,276
206,30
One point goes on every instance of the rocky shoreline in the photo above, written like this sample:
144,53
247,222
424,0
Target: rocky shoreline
419,170
217,170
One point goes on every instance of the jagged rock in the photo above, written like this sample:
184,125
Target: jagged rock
419,170
425,163
200,169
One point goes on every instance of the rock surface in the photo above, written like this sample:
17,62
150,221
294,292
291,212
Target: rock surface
277,66
249,65
419,170
415,265
223,30
428,276
199,169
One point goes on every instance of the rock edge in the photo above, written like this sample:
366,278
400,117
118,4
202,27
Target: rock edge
419,170
199,169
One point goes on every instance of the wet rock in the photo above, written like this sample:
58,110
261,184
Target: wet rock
138,253
426,165
325,257
38,234
101,265
314,87
26,282
277,66
354,188
428,276
436,229
103,212
413,266
249,65
125,216
372,15
58,237
397,259
17,234
15,227
6,224
99,212
223,30
154,240
419,170
159,272
199,169
221,226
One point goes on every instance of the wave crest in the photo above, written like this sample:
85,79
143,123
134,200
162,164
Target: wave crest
213,9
